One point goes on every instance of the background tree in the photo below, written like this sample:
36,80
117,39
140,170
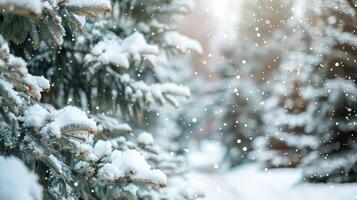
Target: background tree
253,60
333,31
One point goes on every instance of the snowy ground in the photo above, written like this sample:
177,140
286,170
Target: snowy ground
249,182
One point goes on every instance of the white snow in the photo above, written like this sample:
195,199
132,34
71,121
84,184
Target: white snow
81,19
110,51
102,148
17,182
83,167
174,89
56,164
251,182
181,42
68,116
111,124
37,84
206,155
36,116
136,45
85,149
131,188
158,90
145,138
18,63
9,88
131,163
109,172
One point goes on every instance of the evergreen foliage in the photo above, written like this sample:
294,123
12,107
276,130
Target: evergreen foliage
98,64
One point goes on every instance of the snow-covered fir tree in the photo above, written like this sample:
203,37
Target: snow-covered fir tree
332,28
252,62
241,121
287,115
97,64
287,122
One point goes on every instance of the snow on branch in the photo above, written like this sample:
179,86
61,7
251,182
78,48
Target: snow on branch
175,40
35,84
145,139
54,15
107,125
342,37
165,92
85,7
30,8
131,165
110,51
136,45
15,77
64,121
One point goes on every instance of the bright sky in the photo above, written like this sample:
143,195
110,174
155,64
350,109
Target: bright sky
226,16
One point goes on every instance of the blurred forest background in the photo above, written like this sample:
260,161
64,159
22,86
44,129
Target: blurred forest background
276,86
